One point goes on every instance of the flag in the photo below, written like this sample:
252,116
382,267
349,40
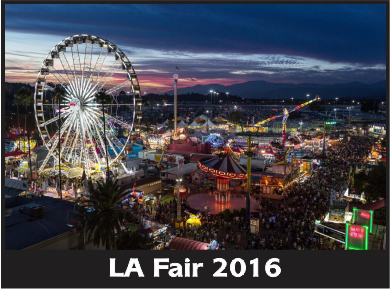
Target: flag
177,68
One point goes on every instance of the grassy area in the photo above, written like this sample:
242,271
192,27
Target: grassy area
166,200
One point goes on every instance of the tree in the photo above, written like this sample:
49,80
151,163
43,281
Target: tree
170,125
122,95
148,128
19,98
373,183
383,143
105,217
135,241
36,136
25,96
316,106
103,98
59,93
235,117
369,105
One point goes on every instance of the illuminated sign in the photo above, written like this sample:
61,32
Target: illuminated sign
356,237
363,217
330,122
356,232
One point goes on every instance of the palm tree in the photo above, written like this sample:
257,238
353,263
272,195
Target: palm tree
27,100
170,125
59,93
148,128
103,98
106,217
19,99
28,97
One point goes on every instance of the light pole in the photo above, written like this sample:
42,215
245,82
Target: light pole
307,96
301,123
211,94
227,97
175,78
292,99
335,114
178,201
207,121
337,100
217,97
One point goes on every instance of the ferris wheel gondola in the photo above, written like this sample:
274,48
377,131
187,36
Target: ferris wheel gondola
84,65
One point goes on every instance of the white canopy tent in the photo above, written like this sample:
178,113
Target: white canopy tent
182,124
194,124
208,123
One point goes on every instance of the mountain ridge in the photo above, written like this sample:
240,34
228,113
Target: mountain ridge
263,89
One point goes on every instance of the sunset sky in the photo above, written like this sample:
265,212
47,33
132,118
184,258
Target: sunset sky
225,43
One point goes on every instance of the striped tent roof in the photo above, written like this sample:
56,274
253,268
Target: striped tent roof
225,167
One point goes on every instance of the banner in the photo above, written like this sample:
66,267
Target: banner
329,232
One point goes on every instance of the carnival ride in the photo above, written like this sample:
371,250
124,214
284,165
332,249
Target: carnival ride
233,149
84,65
215,139
285,115
159,165
224,168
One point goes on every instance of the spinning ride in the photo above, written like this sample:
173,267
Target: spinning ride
285,115
224,168
84,65
215,139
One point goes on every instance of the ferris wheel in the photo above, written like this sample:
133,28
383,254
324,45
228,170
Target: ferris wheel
84,65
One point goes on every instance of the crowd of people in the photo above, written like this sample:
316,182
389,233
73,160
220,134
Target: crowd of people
289,223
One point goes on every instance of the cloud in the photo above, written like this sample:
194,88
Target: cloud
278,42
243,72
328,32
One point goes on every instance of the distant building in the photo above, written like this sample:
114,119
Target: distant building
377,129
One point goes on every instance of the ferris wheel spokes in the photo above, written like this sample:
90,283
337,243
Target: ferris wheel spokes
98,65
107,75
119,122
66,67
119,86
52,149
63,115
59,78
75,141
92,142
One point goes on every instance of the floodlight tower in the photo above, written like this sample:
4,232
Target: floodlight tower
175,78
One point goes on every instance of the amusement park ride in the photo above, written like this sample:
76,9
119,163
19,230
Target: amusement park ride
232,148
85,65
285,115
